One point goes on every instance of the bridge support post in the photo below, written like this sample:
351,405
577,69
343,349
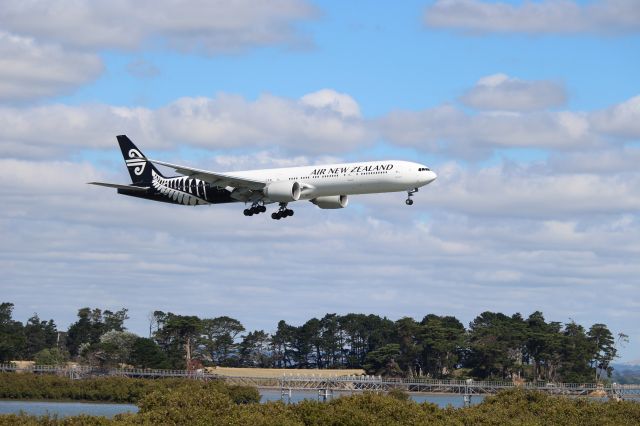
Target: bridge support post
615,394
466,400
285,393
467,394
325,394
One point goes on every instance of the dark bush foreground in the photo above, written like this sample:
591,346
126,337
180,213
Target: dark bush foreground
109,389
197,404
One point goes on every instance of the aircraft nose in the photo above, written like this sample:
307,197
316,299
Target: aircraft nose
428,177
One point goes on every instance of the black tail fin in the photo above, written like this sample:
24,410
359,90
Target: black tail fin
139,168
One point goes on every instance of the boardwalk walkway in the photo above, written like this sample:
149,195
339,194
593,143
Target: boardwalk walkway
352,384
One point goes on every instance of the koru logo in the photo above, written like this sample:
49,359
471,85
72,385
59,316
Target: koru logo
137,160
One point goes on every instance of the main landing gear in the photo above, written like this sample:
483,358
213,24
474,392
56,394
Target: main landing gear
255,209
409,201
282,212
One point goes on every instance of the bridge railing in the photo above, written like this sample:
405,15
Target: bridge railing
292,380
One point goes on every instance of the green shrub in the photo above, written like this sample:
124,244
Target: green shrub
399,394
189,402
518,406
112,389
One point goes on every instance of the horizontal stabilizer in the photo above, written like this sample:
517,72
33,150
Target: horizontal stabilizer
118,186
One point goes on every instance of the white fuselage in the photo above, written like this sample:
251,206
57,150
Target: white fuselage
348,178
327,186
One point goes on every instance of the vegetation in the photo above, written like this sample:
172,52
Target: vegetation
111,389
203,406
494,345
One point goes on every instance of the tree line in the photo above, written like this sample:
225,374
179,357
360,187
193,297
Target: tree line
492,346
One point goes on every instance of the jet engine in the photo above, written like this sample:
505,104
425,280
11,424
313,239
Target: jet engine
331,202
282,191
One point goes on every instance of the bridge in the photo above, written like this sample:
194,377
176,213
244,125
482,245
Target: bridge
327,386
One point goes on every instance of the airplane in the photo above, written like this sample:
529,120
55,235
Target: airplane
327,186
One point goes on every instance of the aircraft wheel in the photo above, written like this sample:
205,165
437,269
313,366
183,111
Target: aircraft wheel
262,209
289,212
409,202
275,216
247,212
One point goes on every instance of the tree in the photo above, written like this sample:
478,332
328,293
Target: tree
282,343
116,346
51,356
145,353
382,361
39,335
177,335
356,338
92,324
496,345
543,347
577,353
115,320
410,345
80,331
604,349
12,340
254,350
363,334
331,341
442,341
307,345
218,338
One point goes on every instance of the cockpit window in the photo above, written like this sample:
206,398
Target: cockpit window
424,169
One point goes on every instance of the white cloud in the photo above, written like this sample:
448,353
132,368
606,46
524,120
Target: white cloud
210,26
621,120
53,130
473,135
460,245
535,191
227,121
48,48
325,123
32,70
501,92
334,101
617,160
448,129
546,16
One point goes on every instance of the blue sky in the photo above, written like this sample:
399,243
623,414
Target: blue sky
528,111
385,58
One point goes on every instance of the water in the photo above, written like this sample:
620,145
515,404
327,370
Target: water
65,409
440,399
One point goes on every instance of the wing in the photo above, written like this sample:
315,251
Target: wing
217,179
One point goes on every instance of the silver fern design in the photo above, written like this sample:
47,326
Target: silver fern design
182,190
137,160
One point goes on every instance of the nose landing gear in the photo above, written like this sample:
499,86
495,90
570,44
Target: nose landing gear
255,209
282,212
410,193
